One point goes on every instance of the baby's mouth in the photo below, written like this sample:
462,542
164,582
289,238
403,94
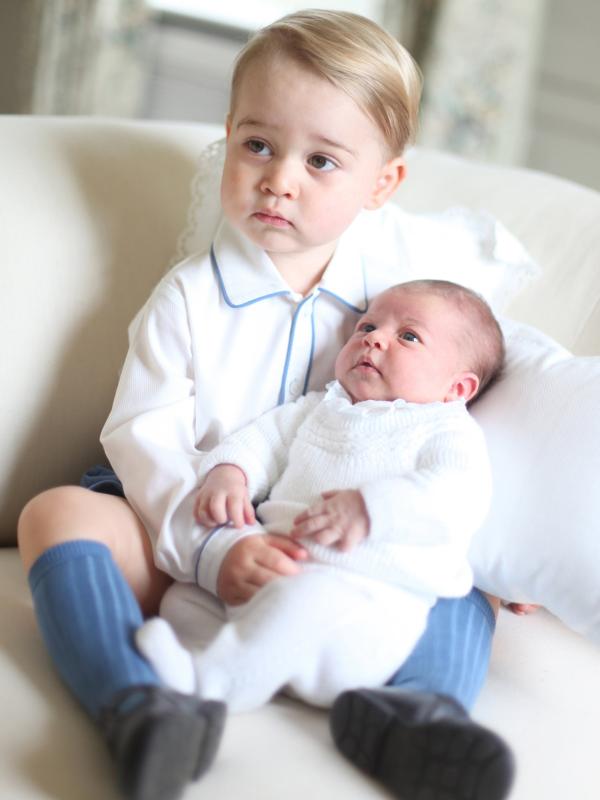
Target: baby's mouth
367,365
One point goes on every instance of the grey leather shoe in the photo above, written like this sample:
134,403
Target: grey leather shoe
421,746
161,740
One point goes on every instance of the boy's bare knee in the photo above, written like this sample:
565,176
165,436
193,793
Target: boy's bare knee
68,513
57,515
45,509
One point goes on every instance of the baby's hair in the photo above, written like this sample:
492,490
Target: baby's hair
485,340
355,55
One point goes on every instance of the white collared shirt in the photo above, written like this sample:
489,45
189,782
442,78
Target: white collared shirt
221,340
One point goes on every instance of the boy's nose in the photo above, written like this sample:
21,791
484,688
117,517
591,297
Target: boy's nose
280,180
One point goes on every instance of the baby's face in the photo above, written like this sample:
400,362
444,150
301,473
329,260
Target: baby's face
302,159
407,346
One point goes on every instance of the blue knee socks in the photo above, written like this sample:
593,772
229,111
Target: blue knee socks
87,615
453,655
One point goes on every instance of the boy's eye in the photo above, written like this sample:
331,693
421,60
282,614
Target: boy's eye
409,336
366,327
322,163
258,147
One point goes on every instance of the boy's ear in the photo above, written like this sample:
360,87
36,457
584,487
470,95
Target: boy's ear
227,126
464,387
391,175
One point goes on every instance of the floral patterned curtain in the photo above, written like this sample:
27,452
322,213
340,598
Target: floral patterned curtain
479,60
88,56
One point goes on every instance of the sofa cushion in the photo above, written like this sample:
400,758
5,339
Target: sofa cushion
90,212
541,540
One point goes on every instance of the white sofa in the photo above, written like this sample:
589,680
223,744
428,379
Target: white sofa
90,215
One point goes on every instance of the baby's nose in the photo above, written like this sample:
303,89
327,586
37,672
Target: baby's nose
375,339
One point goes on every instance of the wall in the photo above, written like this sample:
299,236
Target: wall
565,136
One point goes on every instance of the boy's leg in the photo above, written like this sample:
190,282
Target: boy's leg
415,733
72,542
453,655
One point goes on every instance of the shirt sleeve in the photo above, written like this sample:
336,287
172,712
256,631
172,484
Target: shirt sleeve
260,449
423,522
149,436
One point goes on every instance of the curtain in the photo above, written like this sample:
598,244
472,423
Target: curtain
412,23
480,72
74,56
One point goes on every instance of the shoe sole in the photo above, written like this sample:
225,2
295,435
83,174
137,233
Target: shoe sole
443,760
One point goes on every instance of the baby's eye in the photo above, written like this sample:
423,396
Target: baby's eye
258,148
366,327
322,163
409,336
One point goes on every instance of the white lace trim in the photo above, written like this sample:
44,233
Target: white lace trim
204,212
338,400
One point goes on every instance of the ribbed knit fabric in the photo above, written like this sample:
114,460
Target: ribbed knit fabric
319,633
453,655
422,469
87,615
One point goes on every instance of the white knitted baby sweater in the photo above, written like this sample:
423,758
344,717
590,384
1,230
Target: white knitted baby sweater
422,469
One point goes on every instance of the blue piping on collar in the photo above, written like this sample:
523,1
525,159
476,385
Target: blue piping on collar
345,302
228,300
231,304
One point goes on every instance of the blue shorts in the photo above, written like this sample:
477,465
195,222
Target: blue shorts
102,479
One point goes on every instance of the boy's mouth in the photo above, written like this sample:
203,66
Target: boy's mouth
269,218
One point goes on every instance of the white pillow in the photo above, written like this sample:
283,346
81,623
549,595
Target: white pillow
467,247
541,540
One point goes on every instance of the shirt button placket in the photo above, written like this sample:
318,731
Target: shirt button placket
301,347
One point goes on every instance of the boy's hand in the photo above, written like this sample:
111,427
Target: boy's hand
223,497
255,561
340,518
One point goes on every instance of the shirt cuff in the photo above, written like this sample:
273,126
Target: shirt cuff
215,547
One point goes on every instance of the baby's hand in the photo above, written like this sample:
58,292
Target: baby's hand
340,518
223,497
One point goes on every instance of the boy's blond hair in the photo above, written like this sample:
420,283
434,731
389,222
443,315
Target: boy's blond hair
355,55
483,338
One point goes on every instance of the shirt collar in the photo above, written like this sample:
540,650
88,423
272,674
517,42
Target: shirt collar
338,398
345,277
247,275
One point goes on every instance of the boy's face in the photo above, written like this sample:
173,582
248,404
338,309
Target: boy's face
302,160
407,346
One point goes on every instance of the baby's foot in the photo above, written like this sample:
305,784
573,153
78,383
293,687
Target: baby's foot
156,641
521,609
